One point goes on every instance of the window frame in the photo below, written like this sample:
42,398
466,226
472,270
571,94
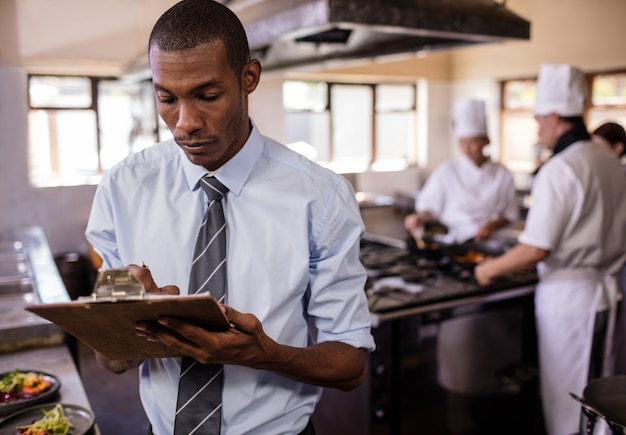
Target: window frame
373,146
95,82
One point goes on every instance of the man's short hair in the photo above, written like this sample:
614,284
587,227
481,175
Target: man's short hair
193,23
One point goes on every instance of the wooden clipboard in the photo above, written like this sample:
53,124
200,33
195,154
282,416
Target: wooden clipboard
109,326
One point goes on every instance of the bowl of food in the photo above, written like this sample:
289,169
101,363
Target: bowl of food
49,419
21,389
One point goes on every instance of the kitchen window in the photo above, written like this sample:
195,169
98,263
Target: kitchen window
520,151
351,127
608,100
81,126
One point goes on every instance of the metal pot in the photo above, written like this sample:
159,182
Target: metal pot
603,406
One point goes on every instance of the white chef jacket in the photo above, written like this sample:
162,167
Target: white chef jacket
578,213
464,197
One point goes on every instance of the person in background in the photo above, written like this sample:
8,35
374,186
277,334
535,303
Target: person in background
612,136
575,234
471,195
295,286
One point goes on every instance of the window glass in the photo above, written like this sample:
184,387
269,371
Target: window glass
302,95
60,92
519,94
63,147
609,90
394,137
519,148
395,125
127,116
392,97
609,100
351,117
80,127
351,127
308,133
520,151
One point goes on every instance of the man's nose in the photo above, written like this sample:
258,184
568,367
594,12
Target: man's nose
189,118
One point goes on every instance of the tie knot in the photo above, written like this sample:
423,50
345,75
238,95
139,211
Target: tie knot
213,188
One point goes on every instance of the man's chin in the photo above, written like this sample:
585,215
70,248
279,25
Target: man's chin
200,160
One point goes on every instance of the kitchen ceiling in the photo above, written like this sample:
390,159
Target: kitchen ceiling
84,35
288,33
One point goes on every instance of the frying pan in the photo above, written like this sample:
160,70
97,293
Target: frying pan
604,398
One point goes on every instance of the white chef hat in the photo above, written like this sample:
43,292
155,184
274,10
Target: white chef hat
469,118
561,89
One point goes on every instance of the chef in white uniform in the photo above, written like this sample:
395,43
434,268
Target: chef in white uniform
471,195
576,235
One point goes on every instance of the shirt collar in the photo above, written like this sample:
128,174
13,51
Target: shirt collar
234,173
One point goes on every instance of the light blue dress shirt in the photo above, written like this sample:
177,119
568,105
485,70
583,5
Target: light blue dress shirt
293,261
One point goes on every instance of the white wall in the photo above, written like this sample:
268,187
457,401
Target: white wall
61,211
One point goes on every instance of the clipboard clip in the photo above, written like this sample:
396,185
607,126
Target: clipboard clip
116,284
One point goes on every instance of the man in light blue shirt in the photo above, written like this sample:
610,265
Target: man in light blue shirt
293,232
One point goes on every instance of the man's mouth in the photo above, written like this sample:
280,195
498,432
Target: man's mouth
197,145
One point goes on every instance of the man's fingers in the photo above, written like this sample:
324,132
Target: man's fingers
143,274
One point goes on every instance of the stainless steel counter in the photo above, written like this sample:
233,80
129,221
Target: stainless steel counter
28,275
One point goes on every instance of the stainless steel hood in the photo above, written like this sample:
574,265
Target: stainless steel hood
288,33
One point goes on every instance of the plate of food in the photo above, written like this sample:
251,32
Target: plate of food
49,419
21,389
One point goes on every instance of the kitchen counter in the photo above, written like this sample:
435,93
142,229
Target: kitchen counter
409,295
28,275
402,283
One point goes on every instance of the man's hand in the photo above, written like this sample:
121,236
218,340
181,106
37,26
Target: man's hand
143,274
331,364
244,343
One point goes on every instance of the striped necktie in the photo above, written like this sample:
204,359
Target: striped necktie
199,406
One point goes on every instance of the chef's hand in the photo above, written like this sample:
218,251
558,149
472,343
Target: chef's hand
482,272
244,343
415,220
484,232
143,274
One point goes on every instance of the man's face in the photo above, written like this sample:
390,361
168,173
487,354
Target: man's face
472,148
203,101
548,130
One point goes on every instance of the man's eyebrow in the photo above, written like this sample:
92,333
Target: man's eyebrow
201,86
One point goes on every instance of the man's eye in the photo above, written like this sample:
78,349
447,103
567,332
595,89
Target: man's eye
165,99
209,97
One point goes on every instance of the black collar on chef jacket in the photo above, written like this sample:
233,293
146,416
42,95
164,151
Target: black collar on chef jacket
576,133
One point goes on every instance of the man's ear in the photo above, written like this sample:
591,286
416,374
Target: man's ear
618,147
250,76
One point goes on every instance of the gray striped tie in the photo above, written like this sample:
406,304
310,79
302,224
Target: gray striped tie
199,406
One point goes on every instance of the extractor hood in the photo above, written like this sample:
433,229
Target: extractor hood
289,33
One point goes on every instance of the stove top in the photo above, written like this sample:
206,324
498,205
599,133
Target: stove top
401,278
